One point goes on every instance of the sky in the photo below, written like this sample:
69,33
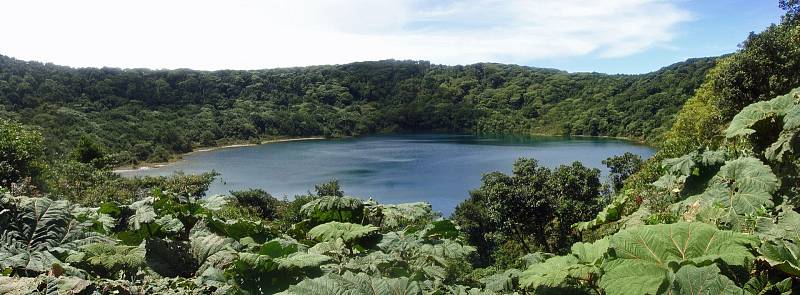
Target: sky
609,36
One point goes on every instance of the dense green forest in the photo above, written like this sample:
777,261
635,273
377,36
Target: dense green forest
149,115
715,211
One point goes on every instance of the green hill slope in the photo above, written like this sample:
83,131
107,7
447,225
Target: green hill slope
147,115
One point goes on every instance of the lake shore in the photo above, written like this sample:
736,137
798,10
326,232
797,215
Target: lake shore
145,166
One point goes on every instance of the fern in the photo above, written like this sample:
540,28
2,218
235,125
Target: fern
107,260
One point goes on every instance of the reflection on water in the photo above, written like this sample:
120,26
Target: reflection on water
436,168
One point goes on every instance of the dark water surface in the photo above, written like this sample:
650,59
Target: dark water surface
436,168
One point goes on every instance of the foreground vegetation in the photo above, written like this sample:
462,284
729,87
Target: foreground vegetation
714,212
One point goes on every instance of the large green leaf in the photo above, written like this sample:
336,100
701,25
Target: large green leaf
502,282
241,228
786,226
682,165
792,118
320,286
611,212
143,213
582,264
302,260
783,255
783,146
742,124
211,250
281,248
17,285
747,173
763,285
355,284
591,253
397,216
743,186
642,258
551,273
348,232
40,228
629,277
336,248
693,280
331,204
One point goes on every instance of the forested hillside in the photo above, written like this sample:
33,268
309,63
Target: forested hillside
148,115
716,211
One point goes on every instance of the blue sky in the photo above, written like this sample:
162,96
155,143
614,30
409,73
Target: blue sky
611,36
716,27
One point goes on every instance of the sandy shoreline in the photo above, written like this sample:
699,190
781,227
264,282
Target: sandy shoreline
146,166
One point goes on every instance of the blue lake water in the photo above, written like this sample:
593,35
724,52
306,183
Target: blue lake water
437,168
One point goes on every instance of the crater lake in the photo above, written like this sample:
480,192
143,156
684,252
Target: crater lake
437,168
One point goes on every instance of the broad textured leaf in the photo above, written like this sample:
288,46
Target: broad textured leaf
762,285
743,122
610,212
633,277
281,248
787,226
319,286
383,286
72,285
783,255
355,284
442,229
446,249
693,280
743,186
779,106
502,282
110,258
336,247
682,165
39,228
302,260
331,203
682,242
711,158
590,253
551,273
641,257
748,173
18,286
582,263
239,228
739,202
792,118
143,213
169,224
784,145
337,230
216,202
395,216
208,248
670,182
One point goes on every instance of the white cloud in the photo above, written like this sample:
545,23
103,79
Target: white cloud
249,34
